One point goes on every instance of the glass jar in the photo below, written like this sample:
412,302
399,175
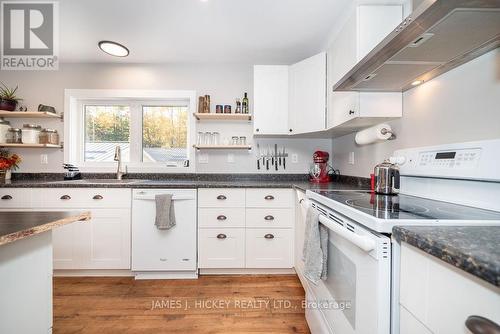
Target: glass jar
243,140
201,139
234,140
49,136
15,136
31,133
4,130
216,138
208,138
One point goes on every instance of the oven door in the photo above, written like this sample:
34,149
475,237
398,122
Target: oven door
355,297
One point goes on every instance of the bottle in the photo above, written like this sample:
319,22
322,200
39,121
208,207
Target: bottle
238,107
245,104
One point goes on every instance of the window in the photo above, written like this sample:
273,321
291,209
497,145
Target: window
164,133
105,128
153,133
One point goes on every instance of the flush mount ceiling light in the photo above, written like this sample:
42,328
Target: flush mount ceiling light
113,48
416,82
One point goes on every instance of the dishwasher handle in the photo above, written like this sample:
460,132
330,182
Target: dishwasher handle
365,243
147,197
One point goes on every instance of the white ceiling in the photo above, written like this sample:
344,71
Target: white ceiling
193,31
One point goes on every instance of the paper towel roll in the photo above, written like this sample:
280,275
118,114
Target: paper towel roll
373,134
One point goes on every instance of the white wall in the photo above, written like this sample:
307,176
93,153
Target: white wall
461,105
223,82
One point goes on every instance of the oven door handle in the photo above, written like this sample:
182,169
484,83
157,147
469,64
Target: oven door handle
365,243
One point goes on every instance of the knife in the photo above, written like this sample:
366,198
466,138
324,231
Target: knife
284,158
275,156
258,157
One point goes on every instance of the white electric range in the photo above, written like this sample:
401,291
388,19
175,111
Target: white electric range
455,184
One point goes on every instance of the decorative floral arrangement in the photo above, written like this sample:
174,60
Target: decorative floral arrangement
9,161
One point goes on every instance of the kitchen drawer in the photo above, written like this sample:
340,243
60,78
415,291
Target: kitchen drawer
221,217
83,198
269,198
11,198
221,198
221,248
269,248
269,218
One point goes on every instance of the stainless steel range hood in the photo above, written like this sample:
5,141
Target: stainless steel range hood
438,36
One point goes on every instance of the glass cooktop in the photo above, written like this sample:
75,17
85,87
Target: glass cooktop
407,207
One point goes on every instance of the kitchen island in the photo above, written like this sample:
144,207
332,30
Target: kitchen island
26,268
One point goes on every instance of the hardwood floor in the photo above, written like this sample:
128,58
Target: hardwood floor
210,304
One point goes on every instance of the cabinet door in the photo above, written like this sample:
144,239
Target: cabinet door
100,243
270,99
269,248
109,246
70,245
307,95
374,24
343,53
344,107
221,248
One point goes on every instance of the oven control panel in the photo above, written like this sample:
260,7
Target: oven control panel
471,160
453,159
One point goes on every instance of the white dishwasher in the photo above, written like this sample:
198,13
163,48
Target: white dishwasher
162,254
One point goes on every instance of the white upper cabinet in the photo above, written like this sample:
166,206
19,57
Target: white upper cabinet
307,95
270,99
366,26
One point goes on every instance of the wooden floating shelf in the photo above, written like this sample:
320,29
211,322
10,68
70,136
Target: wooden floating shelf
222,147
28,114
223,117
30,145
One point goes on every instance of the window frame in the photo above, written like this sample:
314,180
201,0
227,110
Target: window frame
74,125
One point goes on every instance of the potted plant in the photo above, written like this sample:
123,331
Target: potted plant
8,163
8,98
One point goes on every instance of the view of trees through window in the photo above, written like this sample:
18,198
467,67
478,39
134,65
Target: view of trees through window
105,128
164,133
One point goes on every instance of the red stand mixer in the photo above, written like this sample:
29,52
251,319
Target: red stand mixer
320,169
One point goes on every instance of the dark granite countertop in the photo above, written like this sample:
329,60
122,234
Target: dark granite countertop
19,225
474,249
191,181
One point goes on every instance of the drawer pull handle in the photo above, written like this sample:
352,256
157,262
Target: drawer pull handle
480,325
269,236
98,197
162,259
221,217
221,236
221,197
6,197
65,197
269,197
268,218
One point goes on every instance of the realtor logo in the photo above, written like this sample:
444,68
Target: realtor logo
29,35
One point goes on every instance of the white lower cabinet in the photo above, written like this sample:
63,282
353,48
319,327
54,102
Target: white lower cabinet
255,235
269,248
221,248
436,297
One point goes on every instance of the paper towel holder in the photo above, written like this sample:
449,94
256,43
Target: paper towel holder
385,131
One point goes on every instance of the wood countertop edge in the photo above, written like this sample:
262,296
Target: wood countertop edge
6,239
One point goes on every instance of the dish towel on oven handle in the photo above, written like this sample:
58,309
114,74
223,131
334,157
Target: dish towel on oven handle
315,251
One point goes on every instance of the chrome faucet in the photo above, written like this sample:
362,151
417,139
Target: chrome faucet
118,158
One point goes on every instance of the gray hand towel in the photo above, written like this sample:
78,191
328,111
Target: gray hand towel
315,251
165,215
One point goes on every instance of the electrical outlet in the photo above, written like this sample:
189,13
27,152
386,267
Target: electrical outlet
351,158
295,158
203,158
230,158
44,160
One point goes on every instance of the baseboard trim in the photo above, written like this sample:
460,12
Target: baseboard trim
92,272
244,271
166,275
